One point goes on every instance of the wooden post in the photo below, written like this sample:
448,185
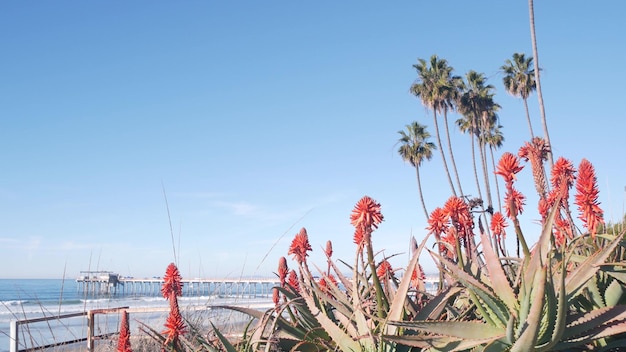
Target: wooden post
13,343
90,327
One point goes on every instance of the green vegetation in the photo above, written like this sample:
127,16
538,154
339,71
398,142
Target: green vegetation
565,292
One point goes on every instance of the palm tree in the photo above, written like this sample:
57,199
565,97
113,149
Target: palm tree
533,39
438,89
476,104
519,81
415,148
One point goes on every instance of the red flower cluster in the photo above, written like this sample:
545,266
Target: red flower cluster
498,223
438,222
123,342
325,281
292,281
418,276
366,214
275,296
300,246
172,282
384,270
514,198
282,270
329,249
459,213
173,287
508,167
359,237
174,325
587,197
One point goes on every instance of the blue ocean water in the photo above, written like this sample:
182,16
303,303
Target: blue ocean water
22,299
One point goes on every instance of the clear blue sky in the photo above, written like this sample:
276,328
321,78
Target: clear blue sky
258,118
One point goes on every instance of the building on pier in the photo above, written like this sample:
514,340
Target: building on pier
107,283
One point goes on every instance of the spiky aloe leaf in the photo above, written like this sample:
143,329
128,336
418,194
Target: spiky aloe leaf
343,341
530,326
561,314
584,324
499,282
578,278
436,305
471,330
440,343
496,311
227,345
617,274
541,252
397,305
613,293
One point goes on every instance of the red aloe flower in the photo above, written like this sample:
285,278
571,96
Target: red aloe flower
325,281
384,270
514,197
498,223
459,213
172,282
366,214
563,174
275,296
536,151
174,324
329,249
299,246
282,270
587,197
418,276
562,231
438,222
292,281
508,166
447,245
359,237
123,342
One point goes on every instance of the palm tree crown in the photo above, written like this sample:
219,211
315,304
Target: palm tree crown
415,148
438,90
519,76
519,81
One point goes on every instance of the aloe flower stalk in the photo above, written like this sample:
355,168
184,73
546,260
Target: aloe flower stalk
537,152
508,167
171,289
329,253
366,217
300,246
283,270
174,324
587,197
292,281
123,342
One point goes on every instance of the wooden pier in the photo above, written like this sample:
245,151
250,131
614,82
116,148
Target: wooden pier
109,283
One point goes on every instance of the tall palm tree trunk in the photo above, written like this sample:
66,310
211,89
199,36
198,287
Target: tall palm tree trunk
474,164
456,173
419,188
530,126
443,155
533,38
493,165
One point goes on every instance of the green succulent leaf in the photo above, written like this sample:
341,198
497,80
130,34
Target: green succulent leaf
580,276
397,305
499,281
473,330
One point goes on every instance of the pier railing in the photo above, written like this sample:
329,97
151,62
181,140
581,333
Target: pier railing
16,335
16,327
